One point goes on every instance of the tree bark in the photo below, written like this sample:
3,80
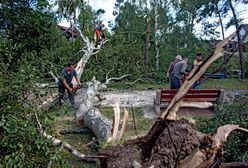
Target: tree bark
241,56
223,37
156,37
98,124
148,31
90,117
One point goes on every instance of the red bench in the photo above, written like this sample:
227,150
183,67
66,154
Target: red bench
164,97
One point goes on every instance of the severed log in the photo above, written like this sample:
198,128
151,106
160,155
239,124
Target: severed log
98,124
88,102
90,117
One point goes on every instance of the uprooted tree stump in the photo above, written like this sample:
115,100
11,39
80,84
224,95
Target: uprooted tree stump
176,141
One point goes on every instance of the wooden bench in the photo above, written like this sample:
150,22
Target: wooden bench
164,97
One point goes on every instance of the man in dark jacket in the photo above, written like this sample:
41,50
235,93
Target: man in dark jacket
65,83
171,67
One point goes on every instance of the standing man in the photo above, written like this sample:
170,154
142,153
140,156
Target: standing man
170,69
178,73
65,83
98,33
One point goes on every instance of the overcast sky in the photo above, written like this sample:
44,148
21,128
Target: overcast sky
108,6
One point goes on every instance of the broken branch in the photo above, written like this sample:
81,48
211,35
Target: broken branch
65,145
124,125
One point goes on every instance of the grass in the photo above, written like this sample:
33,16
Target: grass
227,84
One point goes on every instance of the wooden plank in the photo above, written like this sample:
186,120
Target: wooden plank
193,99
193,91
203,94
191,96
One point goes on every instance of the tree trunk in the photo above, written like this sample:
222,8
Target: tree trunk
223,37
90,117
241,56
98,124
156,38
148,31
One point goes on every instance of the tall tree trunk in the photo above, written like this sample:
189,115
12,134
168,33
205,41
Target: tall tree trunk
156,37
148,31
241,56
223,37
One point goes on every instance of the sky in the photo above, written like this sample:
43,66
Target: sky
108,6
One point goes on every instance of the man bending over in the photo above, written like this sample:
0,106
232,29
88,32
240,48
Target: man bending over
178,73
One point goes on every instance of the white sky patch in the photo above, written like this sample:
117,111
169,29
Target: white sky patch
107,5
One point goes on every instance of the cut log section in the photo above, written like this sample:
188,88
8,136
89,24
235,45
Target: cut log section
91,117
98,124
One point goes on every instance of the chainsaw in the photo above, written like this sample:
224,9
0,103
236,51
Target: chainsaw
75,88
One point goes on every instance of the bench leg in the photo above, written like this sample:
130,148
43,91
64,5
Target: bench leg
157,103
221,98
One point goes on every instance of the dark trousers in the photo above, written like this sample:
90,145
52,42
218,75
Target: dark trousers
197,85
62,89
175,82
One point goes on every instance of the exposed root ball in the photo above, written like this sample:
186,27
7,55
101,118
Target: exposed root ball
177,141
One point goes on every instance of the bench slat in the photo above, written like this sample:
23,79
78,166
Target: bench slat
201,95
193,91
193,99
191,96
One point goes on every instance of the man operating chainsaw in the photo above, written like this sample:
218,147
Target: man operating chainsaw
65,83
